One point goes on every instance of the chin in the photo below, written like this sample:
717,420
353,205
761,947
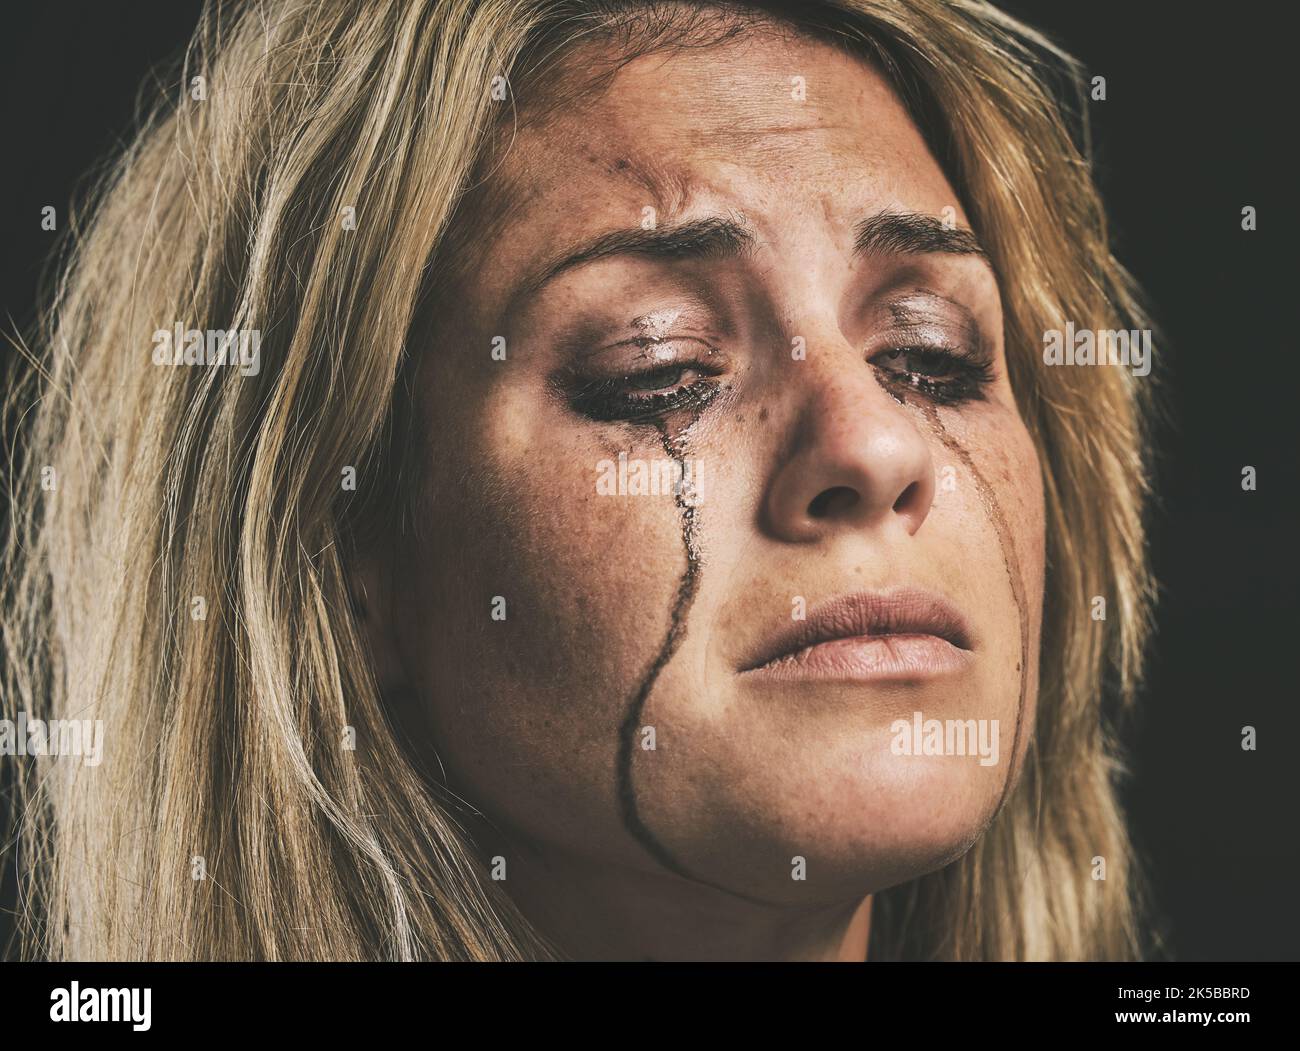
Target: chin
860,822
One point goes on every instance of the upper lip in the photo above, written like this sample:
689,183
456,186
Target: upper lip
898,611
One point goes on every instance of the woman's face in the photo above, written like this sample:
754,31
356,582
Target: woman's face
691,270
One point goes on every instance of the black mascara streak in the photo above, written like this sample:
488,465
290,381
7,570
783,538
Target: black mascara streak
675,447
686,590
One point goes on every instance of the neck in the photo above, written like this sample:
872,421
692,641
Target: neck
598,911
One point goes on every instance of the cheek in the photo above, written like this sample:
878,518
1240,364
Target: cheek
996,453
1028,522
1015,476
531,638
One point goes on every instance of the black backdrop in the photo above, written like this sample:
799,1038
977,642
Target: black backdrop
1195,126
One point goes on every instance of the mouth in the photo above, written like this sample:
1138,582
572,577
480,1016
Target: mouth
897,635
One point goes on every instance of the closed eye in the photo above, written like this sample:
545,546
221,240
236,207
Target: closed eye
647,394
944,375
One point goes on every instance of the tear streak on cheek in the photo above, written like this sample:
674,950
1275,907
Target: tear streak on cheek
1010,560
675,447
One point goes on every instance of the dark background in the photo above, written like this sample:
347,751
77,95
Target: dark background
1195,126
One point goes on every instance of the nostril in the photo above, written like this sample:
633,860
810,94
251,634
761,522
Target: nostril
904,500
832,501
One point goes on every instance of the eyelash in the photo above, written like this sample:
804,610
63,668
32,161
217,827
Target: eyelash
607,400
970,375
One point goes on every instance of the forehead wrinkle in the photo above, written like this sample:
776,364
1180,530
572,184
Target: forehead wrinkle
626,153
761,141
669,188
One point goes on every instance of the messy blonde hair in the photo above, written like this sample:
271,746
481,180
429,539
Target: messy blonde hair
253,740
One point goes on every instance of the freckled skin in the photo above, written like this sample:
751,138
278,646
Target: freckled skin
525,714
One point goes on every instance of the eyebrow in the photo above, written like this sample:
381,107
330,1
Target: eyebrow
714,237
911,233
710,238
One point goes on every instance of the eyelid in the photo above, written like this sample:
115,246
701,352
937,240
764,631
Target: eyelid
652,353
962,342
924,311
656,349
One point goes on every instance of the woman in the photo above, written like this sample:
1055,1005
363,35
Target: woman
584,480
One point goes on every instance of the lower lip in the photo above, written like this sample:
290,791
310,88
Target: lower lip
876,658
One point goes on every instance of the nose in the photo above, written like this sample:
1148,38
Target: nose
855,459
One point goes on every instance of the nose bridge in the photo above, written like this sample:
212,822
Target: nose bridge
854,456
836,386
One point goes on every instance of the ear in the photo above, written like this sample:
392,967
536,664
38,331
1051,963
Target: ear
371,582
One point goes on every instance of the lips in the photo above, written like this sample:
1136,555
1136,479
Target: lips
899,634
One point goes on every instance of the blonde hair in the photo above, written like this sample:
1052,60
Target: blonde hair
228,736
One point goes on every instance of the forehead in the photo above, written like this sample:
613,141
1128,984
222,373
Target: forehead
787,130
